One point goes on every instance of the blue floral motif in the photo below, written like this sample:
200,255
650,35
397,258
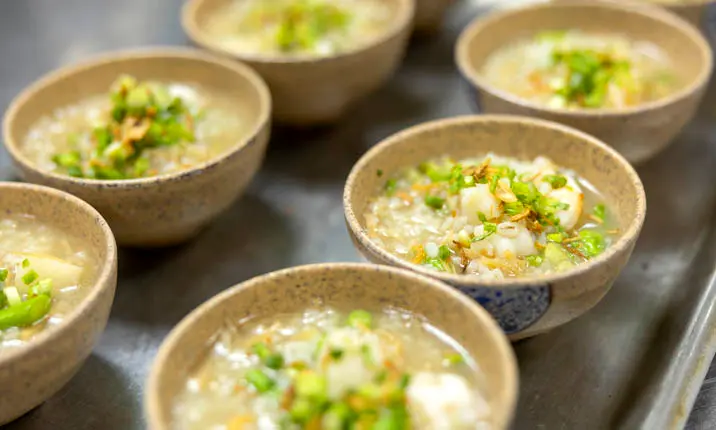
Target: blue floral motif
515,309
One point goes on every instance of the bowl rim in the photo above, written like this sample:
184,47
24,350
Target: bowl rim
152,398
165,53
664,17
627,239
103,283
404,20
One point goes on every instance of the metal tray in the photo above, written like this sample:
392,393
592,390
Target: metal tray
636,361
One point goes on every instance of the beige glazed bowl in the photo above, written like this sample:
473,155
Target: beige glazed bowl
343,287
164,209
693,11
522,306
638,132
30,374
309,90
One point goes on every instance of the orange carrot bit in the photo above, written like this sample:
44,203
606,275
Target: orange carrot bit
422,187
419,252
240,422
404,196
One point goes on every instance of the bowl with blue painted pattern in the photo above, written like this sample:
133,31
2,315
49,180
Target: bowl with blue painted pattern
525,302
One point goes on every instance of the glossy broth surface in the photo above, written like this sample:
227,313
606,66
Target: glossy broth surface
284,28
325,369
493,217
38,259
176,127
577,70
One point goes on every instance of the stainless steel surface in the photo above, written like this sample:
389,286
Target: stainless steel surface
635,361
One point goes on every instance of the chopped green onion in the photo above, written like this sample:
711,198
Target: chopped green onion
24,314
434,202
336,354
443,252
392,419
526,192
555,237
404,381
534,260
514,208
4,274
269,359
600,211
591,243
67,159
30,277
360,319
44,286
390,187
310,384
261,350
274,361
302,410
435,173
337,417
259,380
454,358
25,263
379,173
489,229
366,354
436,263
556,181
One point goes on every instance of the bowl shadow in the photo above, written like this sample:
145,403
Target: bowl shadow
105,399
167,284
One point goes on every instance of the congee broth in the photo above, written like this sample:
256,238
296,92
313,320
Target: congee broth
574,69
326,369
140,129
44,274
298,27
493,217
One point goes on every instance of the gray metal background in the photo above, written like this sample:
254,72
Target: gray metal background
635,361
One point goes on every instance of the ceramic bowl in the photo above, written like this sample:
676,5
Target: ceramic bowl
429,14
310,91
344,287
159,210
693,11
522,306
638,132
32,373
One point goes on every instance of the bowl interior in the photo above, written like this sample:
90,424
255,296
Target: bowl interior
69,214
516,137
75,83
684,45
197,15
345,287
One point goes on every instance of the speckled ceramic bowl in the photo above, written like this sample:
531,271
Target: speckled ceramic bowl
345,287
159,210
429,14
29,375
308,90
693,11
638,132
523,306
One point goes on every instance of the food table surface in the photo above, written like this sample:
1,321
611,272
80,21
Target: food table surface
633,362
